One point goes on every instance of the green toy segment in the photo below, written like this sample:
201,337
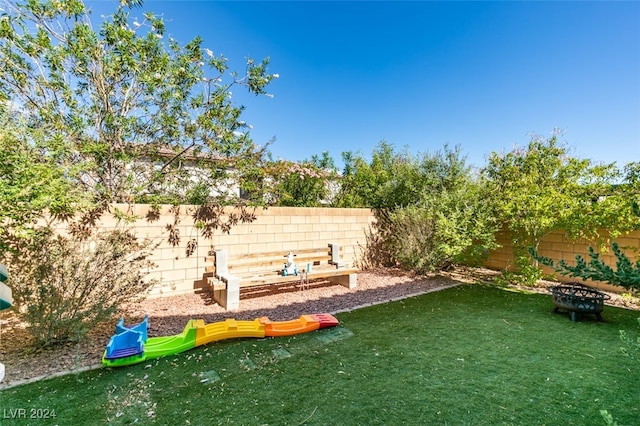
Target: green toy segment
156,347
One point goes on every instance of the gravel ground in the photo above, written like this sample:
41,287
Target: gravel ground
169,315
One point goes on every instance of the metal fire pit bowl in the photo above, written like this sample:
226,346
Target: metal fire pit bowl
578,299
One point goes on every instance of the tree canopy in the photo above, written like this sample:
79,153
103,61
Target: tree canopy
541,187
123,109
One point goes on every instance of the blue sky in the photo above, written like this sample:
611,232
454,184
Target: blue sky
481,75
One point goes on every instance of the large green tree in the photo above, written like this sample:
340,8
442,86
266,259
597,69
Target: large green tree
542,187
89,117
431,210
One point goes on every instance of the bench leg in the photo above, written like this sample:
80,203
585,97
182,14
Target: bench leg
229,298
349,281
335,255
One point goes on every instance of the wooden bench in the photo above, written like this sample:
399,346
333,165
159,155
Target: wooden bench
230,274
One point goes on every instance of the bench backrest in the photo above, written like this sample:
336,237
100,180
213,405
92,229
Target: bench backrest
266,262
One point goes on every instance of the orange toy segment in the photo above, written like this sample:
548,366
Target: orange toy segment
288,328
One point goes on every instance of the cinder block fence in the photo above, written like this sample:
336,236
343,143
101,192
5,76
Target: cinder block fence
289,229
557,245
274,229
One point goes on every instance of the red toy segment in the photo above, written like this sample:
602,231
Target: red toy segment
326,320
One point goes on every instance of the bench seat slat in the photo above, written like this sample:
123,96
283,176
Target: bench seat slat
267,279
267,254
313,275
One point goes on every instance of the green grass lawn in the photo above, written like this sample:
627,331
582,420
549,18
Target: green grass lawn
471,355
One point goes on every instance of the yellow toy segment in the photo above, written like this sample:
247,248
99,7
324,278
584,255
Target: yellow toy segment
227,329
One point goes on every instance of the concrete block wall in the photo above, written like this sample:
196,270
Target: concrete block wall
274,229
296,228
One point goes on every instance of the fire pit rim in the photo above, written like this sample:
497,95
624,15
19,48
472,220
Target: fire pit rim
578,298
595,293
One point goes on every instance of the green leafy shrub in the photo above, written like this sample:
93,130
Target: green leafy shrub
540,188
62,286
452,227
431,212
526,274
413,241
626,274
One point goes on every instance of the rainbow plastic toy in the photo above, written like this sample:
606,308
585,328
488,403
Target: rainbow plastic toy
130,345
